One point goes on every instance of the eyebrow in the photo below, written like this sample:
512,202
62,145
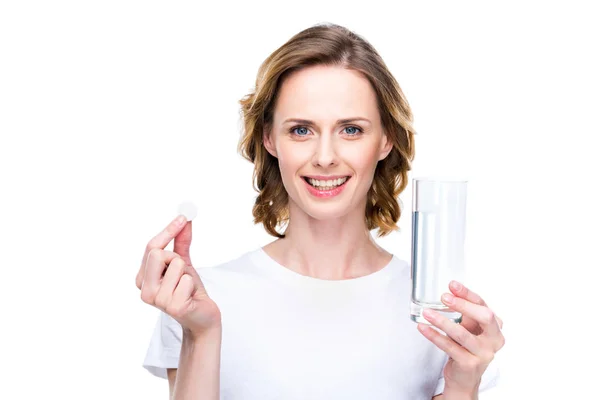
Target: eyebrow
338,122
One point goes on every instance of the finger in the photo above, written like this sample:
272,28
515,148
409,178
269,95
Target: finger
183,292
155,265
455,331
460,290
500,323
167,286
480,313
183,241
160,241
199,288
447,345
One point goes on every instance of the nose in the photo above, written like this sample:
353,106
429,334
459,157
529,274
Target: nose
325,153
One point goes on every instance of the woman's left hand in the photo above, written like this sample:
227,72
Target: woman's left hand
470,345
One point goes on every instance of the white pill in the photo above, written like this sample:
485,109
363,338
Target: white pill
188,209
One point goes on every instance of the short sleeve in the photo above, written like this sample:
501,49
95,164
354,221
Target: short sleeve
165,346
489,379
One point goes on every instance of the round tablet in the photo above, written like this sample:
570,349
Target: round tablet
188,209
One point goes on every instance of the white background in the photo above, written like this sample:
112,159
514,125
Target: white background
113,112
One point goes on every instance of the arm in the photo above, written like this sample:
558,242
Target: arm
198,374
171,375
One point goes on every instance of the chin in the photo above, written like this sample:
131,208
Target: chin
326,210
322,212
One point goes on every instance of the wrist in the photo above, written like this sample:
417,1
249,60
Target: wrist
210,334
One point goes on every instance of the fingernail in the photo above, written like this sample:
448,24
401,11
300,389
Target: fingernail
181,220
455,285
448,298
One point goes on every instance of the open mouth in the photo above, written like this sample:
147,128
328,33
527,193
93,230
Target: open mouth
325,185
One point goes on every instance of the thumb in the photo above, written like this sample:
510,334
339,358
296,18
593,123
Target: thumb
183,240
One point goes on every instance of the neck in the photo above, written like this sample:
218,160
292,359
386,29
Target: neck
333,249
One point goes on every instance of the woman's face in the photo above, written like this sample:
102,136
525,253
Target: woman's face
327,136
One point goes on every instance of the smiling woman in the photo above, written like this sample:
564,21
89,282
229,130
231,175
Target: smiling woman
328,72
322,311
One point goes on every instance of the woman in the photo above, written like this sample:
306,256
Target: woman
322,311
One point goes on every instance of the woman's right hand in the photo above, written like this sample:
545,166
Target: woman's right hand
168,281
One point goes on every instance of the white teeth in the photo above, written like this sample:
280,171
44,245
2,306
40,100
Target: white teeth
328,184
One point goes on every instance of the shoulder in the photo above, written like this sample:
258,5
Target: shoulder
401,265
234,269
233,281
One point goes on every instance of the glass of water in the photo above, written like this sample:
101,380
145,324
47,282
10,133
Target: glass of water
438,243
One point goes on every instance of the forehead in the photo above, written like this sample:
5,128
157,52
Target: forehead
326,93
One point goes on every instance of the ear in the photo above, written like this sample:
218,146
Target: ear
268,142
386,147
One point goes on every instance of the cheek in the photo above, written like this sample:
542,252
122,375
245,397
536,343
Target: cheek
362,159
291,158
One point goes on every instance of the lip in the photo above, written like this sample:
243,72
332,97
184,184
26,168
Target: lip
325,178
326,193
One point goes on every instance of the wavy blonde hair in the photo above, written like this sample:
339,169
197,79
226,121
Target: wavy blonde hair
331,45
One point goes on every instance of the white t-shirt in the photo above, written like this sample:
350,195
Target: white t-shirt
291,336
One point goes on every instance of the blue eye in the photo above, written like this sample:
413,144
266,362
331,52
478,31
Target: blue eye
356,130
300,130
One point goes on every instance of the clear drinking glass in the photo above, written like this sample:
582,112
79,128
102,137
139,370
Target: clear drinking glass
438,241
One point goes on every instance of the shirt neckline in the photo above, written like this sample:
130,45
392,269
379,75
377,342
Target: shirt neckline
263,260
